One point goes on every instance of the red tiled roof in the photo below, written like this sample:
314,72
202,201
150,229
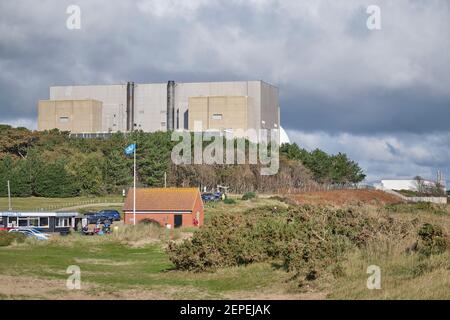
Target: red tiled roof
162,199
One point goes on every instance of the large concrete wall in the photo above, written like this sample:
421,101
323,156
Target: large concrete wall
151,107
76,116
219,113
269,107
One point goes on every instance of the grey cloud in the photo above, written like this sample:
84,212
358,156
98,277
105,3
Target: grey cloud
334,75
385,155
413,110
392,149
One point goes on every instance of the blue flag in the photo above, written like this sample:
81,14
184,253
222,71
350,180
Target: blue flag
130,149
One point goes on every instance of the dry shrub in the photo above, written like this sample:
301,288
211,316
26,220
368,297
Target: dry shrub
310,241
8,238
414,208
432,240
141,231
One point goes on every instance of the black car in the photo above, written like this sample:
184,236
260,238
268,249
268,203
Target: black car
113,215
103,216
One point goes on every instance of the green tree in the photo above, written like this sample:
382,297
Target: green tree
88,168
117,171
34,163
16,141
21,180
337,169
153,157
6,166
294,152
53,180
319,163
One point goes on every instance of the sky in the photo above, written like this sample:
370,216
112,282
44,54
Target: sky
382,96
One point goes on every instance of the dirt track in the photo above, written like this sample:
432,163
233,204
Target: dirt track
343,197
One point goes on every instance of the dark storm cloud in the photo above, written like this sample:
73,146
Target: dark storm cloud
335,76
412,110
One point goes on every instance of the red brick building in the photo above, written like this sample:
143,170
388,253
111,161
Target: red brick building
175,206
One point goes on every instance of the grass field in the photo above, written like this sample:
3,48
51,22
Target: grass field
122,266
43,204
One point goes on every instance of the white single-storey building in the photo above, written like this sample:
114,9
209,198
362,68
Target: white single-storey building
404,184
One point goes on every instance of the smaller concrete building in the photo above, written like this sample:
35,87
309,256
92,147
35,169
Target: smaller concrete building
76,116
174,207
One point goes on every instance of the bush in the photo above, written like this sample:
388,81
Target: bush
417,208
249,195
309,240
432,240
152,222
7,238
229,201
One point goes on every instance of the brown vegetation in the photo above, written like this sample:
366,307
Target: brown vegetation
345,197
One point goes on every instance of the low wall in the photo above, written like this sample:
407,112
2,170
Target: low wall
436,200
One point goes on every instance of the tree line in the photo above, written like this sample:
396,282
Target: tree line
52,164
325,168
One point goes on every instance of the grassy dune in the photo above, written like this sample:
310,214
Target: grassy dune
133,264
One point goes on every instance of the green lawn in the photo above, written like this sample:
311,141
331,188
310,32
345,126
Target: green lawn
114,267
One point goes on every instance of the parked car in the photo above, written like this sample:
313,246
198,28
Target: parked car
219,196
94,218
207,197
114,215
32,233
216,196
91,217
103,216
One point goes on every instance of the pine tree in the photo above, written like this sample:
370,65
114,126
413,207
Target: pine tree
6,166
21,180
117,171
53,180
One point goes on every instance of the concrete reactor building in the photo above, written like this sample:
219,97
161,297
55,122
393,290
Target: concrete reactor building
219,106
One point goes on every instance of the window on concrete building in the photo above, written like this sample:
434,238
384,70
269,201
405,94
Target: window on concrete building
217,116
63,119
178,119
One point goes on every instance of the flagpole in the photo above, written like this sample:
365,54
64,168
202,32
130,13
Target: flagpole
9,197
134,189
